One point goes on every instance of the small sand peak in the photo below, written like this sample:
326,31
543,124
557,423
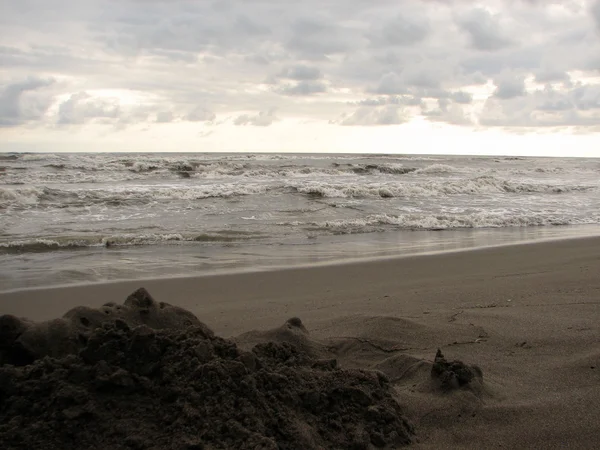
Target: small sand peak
141,298
453,374
295,324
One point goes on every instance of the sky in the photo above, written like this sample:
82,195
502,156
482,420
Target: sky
515,77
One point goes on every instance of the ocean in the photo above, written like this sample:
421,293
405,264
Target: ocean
81,218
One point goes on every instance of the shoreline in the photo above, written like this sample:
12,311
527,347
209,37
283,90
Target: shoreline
22,301
526,315
232,271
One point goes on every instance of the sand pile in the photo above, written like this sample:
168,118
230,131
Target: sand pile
148,375
454,374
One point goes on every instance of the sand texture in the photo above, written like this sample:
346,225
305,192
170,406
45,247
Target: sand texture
494,348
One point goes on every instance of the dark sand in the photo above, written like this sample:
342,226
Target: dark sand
527,316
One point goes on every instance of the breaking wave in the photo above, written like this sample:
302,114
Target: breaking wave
478,185
375,222
126,195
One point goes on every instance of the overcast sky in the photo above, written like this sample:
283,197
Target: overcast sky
434,76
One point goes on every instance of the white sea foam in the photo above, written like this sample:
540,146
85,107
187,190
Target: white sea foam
10,196
471,186
479,219
45,196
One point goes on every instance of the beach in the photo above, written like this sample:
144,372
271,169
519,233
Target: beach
527,315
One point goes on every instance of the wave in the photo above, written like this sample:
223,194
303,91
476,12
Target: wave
39,245
40,169
441,168
19,196
9,157
15,197
424,221
479,185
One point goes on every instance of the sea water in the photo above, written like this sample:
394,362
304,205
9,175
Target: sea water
78,218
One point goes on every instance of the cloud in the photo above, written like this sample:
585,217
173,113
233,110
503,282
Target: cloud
509,85
546,75
200,114
24,101
404,100
250,27
461,97
484,30
595,10
181,61
578,106
80,108
448,112
315,38
365,116
261,119
391,84
586,97
402,31
165,117
301,72
304,88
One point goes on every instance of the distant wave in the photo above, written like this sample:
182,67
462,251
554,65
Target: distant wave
124,195
38,169
442,168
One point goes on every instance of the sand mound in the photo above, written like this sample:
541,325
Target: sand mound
454,374
23,341
160,380
291,332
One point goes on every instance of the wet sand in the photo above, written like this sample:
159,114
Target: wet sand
527,315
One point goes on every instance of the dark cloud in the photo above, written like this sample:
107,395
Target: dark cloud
165,117
461,97
261,119
423,75
595,10
251,27
586,97
509,85
551,100
484,30
548,75
24,101
402,31
304,88
391,84
491,64
578,106
301,72
316,38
